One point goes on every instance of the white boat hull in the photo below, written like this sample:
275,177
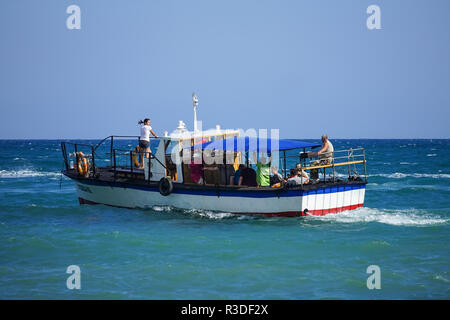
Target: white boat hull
316,201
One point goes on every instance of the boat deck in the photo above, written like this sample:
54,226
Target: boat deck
135,177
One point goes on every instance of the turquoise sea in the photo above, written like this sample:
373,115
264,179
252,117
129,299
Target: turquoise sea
167,253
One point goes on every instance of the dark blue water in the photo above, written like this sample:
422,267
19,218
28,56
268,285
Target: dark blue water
167,253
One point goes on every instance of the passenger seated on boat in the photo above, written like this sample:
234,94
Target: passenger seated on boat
171,168
226,174
237,174
248,177
325,157
276,177
303,173
187,173
297,178
211,173
293,172
263,169
196,172
195,169
325,154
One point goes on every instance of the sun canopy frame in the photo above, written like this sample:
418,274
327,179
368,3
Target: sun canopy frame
250,144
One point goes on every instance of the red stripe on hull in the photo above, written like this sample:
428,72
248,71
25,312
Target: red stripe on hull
333,210
273,214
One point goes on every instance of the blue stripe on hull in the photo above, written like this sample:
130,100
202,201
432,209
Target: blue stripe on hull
242,194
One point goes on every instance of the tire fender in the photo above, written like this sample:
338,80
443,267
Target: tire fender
165,186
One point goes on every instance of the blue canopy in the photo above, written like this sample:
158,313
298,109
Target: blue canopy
248,144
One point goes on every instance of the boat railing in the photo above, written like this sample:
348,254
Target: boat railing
128,161
121,160
99,151
112,140
117,160
348,158
80,150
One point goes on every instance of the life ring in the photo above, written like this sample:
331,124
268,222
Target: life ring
137,150
82,164
165,186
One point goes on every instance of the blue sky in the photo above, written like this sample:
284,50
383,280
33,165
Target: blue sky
305,67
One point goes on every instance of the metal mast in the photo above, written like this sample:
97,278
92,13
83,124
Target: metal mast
195,103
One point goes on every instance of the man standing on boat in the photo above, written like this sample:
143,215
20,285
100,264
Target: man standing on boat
144,139
263,169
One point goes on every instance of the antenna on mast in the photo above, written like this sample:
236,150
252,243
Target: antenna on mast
195,104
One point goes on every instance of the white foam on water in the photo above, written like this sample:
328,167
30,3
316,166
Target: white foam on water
195,212
394,186
162,208
441,278
27,173
215,215
401,217
431,155
209,214
400,175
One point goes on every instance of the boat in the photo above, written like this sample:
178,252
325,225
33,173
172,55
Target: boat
109,173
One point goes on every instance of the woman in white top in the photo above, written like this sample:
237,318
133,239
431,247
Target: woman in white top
144,139
300,177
